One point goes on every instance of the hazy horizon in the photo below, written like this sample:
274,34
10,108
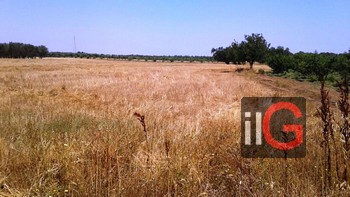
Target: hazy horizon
174,28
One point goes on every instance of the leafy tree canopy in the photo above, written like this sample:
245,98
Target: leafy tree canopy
253,49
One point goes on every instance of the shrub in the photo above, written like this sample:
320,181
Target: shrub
294,75
281,63
261,71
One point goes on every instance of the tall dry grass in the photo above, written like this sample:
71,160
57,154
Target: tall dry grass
68,129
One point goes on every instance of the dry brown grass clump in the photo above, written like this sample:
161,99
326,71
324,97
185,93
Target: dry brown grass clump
68,129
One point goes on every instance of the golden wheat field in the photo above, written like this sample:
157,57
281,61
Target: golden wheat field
67,128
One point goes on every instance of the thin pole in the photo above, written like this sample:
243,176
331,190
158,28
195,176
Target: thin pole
75,46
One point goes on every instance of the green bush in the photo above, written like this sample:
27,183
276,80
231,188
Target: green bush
261,71
294,75
281,63
333,78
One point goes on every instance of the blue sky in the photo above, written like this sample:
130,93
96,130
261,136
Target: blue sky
176,27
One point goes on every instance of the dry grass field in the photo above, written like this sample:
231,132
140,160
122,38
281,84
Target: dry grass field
67,128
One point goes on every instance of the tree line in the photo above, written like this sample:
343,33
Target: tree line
313,66
21,50
153,58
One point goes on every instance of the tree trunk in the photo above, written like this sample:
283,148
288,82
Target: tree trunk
251,64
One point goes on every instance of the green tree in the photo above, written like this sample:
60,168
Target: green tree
42,51
342,65
319,65
4,50
221,54
21,50
235,53
254,49
280,59
281,63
